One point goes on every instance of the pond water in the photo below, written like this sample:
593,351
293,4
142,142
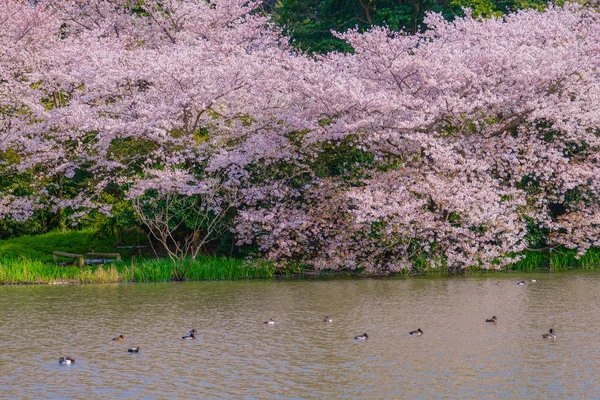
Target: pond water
236,355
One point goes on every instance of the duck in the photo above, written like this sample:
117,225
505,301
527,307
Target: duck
270,322
549,335
498,283
521,283
192,331
364,336
134,350
493,319
533,281
119,338
328,319
418,332
189,337
66,361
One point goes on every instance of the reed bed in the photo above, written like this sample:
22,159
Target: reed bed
206,268
558,260
210,268
26,271
102,274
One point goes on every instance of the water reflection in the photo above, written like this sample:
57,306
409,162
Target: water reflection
237,355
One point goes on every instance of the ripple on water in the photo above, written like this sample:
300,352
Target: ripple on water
236,355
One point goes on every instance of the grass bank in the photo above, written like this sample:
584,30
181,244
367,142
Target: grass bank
28,260
209,268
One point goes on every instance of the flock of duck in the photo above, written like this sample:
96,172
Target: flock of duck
121,338
192,334
494,319
419,332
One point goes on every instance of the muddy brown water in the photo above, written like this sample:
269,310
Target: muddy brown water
236,355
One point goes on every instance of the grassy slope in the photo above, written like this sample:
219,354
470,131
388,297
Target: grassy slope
41,247
28,259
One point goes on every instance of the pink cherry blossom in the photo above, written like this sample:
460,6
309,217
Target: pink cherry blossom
473,133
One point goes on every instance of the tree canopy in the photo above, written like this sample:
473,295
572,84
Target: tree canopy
459,145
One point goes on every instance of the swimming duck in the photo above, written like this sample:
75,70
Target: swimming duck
521,283
549,335
134,350
498,283
189,337
66,361
418,332
119,338
533,281
328,319
364,336
270,322
493,319
192,331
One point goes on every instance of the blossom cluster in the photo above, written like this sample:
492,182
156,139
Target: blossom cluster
450,146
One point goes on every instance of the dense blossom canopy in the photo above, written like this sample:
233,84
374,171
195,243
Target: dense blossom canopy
458,146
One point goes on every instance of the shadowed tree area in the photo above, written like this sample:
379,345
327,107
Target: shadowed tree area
310,22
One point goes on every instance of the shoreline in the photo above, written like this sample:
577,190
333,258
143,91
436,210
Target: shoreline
28,260
103,275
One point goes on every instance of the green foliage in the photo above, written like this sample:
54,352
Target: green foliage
342,159
536,237
132,151
310,22
37,224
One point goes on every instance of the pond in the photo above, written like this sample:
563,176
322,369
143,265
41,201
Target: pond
237,355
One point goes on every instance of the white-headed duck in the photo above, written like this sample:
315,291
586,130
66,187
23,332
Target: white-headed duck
364,336
549,335
66,361
418,332
493,319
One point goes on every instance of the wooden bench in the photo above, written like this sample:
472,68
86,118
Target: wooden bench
116,256
79,257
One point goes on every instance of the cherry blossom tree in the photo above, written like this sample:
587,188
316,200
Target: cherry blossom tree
120,94
449,148
482,131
